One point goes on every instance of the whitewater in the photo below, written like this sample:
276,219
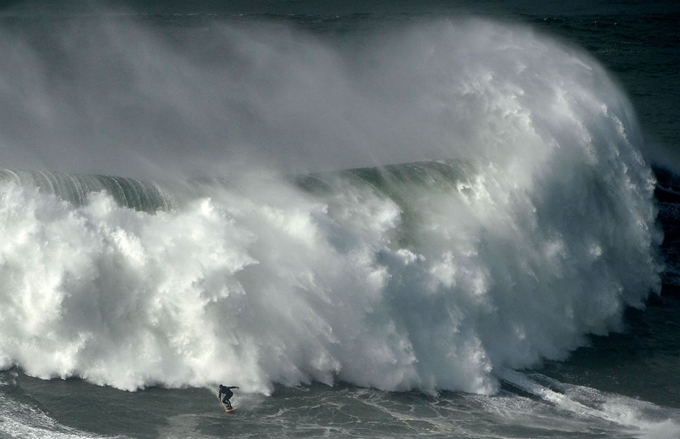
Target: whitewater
501,213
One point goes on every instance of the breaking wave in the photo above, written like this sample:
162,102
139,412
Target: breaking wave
534,230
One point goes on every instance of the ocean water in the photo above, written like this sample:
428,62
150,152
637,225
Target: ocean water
384,219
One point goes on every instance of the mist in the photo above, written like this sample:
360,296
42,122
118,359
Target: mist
111,93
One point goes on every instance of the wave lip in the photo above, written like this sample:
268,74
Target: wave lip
76,189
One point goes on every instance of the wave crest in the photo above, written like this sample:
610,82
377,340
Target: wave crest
537,230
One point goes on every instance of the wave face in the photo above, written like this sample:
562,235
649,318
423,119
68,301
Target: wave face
76,189
537,230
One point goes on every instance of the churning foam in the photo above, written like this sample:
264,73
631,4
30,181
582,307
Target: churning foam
544,234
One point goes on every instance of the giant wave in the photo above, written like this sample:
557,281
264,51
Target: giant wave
533,228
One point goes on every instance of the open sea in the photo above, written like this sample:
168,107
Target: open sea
380,219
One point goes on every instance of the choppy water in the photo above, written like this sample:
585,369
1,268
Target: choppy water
500,278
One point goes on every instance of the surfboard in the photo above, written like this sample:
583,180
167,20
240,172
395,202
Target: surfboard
226,409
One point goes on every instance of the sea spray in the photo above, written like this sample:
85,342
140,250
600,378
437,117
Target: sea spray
534,229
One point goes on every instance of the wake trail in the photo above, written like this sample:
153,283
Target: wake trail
640,418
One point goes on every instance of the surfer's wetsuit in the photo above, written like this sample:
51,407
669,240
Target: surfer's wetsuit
226,391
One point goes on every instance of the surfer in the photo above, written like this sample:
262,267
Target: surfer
226,391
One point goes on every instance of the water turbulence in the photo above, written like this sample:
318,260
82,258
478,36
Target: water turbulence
523,222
